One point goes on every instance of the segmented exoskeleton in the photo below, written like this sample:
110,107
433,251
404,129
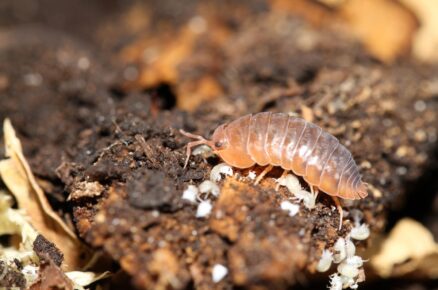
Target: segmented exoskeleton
277,139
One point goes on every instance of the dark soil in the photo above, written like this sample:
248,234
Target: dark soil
81,121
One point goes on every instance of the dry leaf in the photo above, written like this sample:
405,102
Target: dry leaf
13,222
425,46
409,247
160,56
193,93
83,279
18,177
385,27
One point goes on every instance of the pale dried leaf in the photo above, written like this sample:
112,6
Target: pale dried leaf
425,46
385,27
408,248
18,177
83,279
13,222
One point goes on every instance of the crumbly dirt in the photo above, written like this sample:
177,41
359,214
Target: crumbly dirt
88,129
11,276
45,249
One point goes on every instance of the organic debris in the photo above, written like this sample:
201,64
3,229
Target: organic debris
17,175
98,106
402,254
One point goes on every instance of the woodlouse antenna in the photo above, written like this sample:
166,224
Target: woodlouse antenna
193,136
190,145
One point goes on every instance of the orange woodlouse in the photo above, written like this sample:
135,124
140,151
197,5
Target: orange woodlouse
277,139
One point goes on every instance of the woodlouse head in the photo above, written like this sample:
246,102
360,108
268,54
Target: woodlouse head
230,146
219,140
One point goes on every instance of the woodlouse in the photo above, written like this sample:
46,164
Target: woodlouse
277,139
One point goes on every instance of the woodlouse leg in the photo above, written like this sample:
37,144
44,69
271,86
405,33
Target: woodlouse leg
264,172
314,191
341,212
189,150
283,175
190,145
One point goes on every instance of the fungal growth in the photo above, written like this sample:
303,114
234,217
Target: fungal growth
277,139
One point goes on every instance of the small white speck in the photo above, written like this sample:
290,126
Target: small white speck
335,282
209,186
204,209
190,194
325,262
347,270
292,208
350,248
202,150
291,182
360,232
348,282
308,198
340,251
252,175
218,273
31,272
355,261
218,170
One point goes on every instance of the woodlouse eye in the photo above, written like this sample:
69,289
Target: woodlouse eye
218,144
